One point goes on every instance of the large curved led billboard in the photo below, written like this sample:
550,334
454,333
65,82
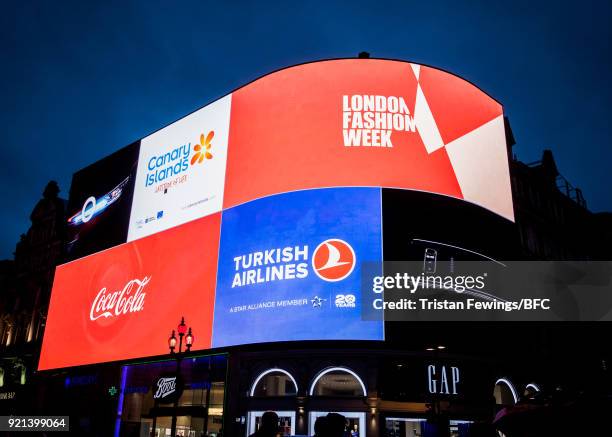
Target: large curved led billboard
374,123
252,216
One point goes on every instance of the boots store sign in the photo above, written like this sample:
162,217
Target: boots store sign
167,389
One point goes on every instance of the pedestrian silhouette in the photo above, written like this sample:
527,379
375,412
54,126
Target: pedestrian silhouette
335,425
269,425
320,427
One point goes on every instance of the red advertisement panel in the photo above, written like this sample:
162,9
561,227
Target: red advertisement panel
123,302
367,122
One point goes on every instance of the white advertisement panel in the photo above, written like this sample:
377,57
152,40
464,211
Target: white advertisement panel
181,171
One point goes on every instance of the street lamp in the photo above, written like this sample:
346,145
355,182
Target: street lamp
172,342
182,331
188,340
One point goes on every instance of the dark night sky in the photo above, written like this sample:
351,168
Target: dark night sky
78,80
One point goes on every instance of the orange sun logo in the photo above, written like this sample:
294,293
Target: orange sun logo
203,149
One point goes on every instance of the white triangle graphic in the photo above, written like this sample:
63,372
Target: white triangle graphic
425,123
416,68
480,161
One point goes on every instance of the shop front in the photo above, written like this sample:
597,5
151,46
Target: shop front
380,393
336,389
186,395
417,427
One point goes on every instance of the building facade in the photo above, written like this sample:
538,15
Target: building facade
408,379
25,292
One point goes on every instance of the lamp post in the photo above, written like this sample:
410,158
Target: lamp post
172,342
189,338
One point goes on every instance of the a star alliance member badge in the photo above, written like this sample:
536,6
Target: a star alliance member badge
317,301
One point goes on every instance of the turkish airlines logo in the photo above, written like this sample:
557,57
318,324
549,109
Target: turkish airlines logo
165,387
333,260
117,303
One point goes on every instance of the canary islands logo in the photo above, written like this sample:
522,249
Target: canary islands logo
202,150
176,162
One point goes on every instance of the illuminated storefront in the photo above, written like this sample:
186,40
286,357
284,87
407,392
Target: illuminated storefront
381,392
152,394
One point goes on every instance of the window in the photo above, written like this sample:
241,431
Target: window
338,381
504,392
274,382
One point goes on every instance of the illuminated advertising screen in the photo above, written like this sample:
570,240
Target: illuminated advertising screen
374,123
122,303
445,228
261,207
181,171
100,202
290,267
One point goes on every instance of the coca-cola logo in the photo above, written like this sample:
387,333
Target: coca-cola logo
128,300
165,387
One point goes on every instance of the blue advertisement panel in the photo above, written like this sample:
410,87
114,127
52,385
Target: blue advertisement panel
290,267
